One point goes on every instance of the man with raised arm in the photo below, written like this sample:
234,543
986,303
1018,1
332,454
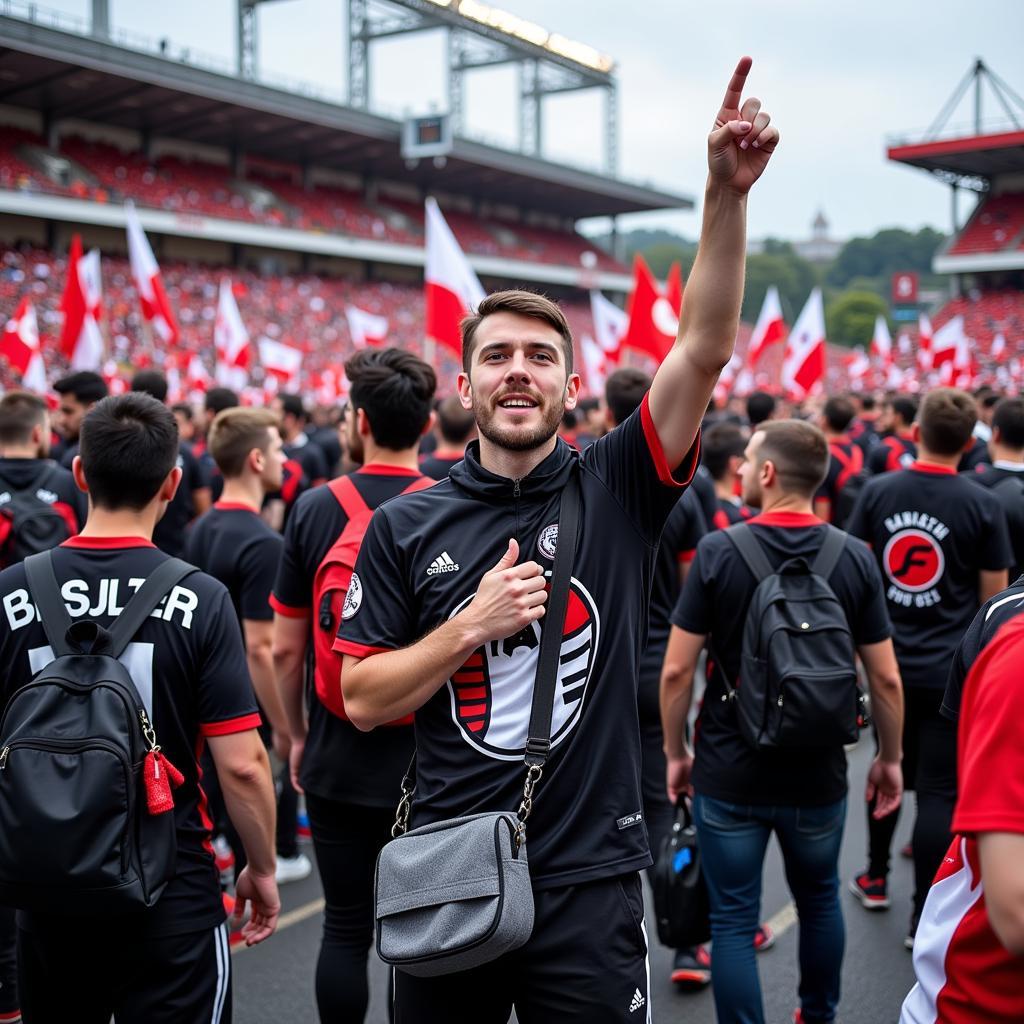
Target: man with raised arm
443,616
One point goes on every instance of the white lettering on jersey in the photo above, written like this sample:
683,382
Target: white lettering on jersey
77,596
137,658
902,520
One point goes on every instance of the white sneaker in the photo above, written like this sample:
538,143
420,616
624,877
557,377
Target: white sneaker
293,869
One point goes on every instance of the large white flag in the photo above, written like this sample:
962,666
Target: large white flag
610,325
156,309
281,361
769,329
231,340
366,328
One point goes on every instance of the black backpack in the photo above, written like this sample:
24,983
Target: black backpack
35,524
76,836
797,685
682,907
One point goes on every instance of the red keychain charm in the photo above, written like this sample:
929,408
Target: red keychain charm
160,776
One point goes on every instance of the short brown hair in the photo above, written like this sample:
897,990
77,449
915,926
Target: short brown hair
235,432
20,413
523,303
799,452
946,419
624,390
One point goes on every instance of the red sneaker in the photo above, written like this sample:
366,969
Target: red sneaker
235,937
873,893
691,968
764,938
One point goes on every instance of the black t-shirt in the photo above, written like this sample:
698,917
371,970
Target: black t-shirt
234,545
421,563
994,614
729,513
684,528
58,489
169,534
931,532
891,453
436,468
310,456
1007,484
188,664
340,762
845,459
976,457
703,485
713,603
327,440
68,453
862,433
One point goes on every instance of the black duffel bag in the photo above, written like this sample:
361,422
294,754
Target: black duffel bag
681,904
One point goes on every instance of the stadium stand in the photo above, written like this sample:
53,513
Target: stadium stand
996,225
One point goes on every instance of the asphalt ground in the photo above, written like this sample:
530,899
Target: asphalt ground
273,982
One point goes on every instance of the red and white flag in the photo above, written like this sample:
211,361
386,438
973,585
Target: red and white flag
858,366
674,288
803,364
366,328
452,288
156,308
111,373
950,345
282,362
881,342
769,329
231,340
80,338
998,351
20,346
197,377
924,342
610,323
727,378
653,324
596,365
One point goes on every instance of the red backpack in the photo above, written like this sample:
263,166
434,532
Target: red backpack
330,587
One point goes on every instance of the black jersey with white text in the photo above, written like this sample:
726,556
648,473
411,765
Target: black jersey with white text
932,532
339,761
713,603
189,667
234,545
421,563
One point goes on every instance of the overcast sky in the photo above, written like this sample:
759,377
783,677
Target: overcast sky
838,78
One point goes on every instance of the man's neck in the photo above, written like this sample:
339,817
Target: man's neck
449,451
1000,453
511,464
931,459
375,455
13,451
783,502
244,490
121,523
725,490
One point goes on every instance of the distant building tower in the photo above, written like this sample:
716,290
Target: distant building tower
820,248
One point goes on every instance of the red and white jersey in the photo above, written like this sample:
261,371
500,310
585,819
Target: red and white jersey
964,973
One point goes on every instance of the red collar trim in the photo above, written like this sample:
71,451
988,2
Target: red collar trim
786,519
234,506
930,467
107,543
382,469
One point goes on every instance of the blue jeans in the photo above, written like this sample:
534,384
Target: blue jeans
733,840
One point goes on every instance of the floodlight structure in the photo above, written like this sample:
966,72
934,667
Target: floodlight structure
481,36
248,38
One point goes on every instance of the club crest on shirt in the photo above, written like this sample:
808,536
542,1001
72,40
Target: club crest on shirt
353,598
914,562
492,694
547,542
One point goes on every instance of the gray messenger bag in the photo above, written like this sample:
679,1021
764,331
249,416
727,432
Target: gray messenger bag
456,894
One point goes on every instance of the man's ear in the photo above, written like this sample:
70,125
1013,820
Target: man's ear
429,425
465,390
572,391
170,485
79,474
363,423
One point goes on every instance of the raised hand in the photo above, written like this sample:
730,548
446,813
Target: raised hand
742,140
510,596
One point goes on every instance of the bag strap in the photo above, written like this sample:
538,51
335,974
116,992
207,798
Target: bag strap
37,481
348,496
538,743
831,551
158,585
750,550
45,592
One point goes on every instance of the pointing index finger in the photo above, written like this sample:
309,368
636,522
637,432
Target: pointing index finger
734,91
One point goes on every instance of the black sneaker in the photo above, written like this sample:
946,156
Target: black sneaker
908,942
691,968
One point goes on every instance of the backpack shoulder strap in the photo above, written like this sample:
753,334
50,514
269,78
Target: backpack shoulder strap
348,497
422,483
158,585
750,550
831,551
45,591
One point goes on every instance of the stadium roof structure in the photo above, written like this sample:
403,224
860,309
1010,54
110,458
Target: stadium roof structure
970,156
59,69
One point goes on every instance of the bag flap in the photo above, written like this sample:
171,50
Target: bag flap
444,857
432,895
